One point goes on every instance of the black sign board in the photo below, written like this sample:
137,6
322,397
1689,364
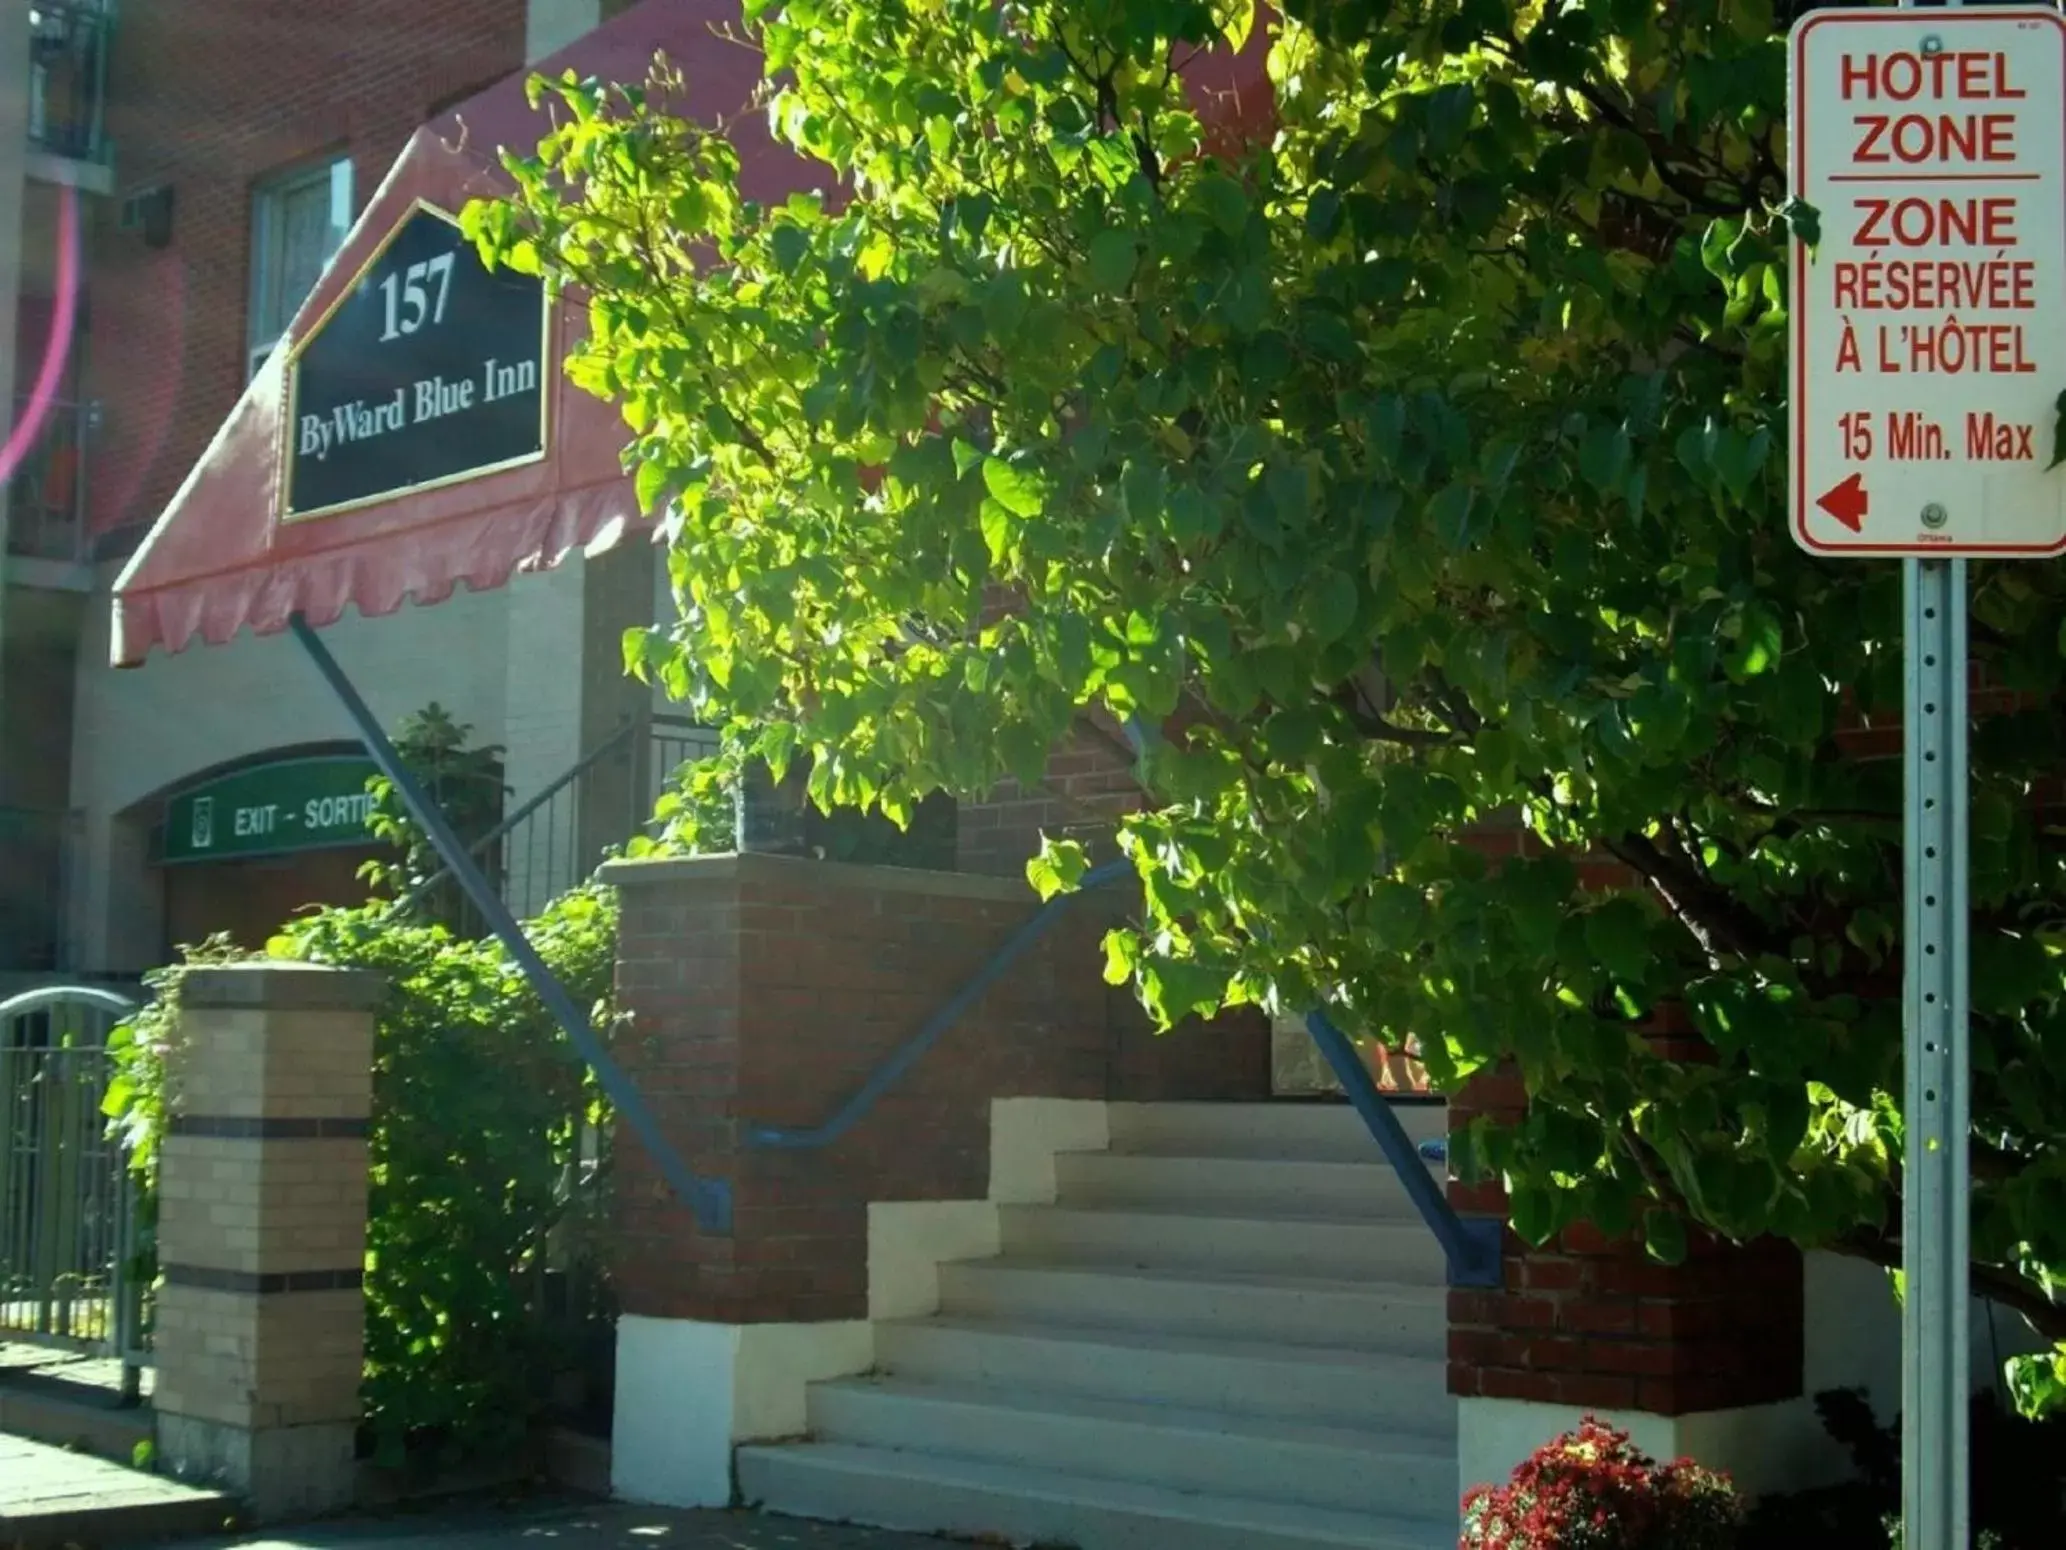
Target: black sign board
430,370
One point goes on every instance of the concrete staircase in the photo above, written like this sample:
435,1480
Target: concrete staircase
1227,1333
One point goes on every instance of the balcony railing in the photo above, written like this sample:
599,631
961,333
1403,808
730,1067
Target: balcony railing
68,77
46,495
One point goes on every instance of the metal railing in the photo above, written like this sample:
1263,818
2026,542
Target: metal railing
46,493
69,1249
555,839
68,77
1472,1247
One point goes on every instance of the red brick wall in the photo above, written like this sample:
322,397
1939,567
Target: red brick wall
1088,786
767,989
211,96
1585,1321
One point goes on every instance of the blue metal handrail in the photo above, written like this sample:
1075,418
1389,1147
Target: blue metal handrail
709,1199
906,1055
1472,1246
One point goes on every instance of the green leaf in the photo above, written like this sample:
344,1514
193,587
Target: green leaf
1113,255
649,484
999,531
1323,214
1331,607
1466,1161
1716,246
1175,989
1450,514
1787,1117
1020,491
1532,1210
1804,221
1756,642
789,244
1059,867
1603,457
1237,22
1617,934
1122,956
1664,1236
1225,202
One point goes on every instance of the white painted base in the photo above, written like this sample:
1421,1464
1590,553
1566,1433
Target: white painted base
1762,1448
908,1239
1025,1135
1852,1322
688,1392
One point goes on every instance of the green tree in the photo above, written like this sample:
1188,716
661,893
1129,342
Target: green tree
1404,460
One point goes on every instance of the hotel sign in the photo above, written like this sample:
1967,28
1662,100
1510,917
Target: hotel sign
429,370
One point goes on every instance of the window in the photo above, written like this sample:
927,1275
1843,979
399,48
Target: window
297,223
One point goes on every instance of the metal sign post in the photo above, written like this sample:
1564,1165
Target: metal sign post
1936,1325
1928,332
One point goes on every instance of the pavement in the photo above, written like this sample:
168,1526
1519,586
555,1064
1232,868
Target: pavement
60,1497
52,1496
602,1526
53,1499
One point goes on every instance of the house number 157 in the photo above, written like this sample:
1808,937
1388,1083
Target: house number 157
408,298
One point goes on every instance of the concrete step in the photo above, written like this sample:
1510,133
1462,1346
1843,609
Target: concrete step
1403,1252
1299,1384
929,1492
1318,1130
1182,1449
1289,1310
1367,1190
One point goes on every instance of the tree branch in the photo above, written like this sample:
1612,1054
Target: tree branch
1350,702
2048,1318
1722,927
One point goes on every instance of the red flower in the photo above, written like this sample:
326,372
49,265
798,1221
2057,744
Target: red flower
1593,1489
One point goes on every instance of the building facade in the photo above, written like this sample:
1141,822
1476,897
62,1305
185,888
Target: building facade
173,180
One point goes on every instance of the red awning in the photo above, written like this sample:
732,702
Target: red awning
219,558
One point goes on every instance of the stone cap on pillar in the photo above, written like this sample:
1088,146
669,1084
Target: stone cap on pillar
759,866
276,985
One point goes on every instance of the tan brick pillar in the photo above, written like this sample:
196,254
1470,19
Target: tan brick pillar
262,1233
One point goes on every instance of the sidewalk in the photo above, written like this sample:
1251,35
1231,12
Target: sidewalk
50,1497
603,1526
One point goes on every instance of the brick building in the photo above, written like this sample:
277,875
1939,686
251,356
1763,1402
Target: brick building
213,154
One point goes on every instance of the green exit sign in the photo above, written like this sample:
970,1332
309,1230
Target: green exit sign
270,809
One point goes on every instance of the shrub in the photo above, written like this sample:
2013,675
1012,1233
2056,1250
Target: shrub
475,1156
1592,1489
2018,1484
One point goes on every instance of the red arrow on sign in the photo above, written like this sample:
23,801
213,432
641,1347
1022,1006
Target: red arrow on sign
1847,502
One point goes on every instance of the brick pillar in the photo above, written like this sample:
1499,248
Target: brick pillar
262,1233
1703,1358
767,988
